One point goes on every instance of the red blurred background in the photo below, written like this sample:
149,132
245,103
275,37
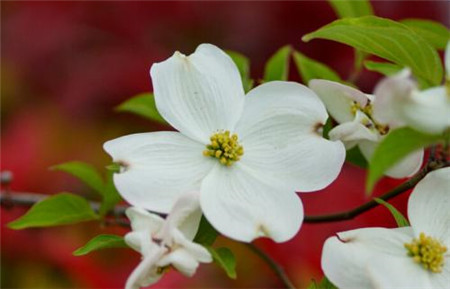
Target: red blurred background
66,65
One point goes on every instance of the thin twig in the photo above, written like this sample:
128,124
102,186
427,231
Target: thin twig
25,199
348,215
279,271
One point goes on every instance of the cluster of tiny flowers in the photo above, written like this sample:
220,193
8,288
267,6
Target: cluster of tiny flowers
225,147
427,251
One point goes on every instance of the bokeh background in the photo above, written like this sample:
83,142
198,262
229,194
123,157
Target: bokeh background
66,65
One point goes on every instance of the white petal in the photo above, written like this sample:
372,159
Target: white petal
400,272
310,165
136,240
145,273
344,266
429,206
392,93
345,260
441,280
243,207
159,167
200,93
353,132
185,214
144,225
428,111
142,242
197,251
278,131
143,220
407,166
181,260
379,240
399,103
338,98
404,168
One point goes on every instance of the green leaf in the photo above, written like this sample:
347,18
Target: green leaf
111,196
143,105
83,171
387,39
385,68
225,259
61,209
277,67
324,284
101,242
395,146
399,218
206,234
351,8
312,69
435,33
389,69
354,156
243,64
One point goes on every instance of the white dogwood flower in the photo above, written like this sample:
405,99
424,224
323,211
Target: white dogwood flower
246,154
407,257
163,243
358,125
427,111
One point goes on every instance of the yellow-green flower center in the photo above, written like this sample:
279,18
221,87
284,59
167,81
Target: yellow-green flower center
368,110
428,252
225,147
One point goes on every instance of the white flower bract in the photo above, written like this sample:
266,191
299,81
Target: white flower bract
427,111
277,125
164,243
378,257
359,125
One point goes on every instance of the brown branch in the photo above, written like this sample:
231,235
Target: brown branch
24,199
348,215
279,271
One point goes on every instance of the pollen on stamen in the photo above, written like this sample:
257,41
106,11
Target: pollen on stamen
368,111
427,251
224,147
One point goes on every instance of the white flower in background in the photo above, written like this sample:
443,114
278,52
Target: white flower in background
358,124
246,154
165,243
407,257
427,111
